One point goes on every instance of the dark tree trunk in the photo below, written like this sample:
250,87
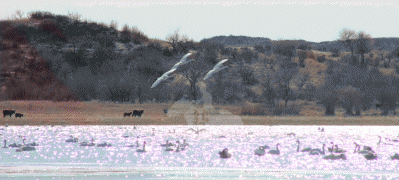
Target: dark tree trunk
357,112
330,110
349,110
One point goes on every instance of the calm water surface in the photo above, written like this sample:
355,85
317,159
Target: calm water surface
54,158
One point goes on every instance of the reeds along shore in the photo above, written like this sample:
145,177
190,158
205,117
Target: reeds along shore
106,113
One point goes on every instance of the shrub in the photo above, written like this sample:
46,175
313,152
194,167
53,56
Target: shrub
39,15
321,59
335,51
50,26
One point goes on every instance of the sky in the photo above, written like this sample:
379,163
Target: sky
315,21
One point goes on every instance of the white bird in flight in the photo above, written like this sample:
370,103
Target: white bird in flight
164,77
218,67
184,60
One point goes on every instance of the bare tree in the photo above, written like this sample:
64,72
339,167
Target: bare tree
74,16
114,25
363,44
18,14
348,38
173,38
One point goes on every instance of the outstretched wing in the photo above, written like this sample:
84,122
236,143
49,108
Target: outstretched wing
218,67
164,77
184,60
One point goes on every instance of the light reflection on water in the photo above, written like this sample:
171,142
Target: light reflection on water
203,150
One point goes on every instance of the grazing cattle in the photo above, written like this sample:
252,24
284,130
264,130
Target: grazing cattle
18,115
377,105
165,111
127,114
137,113
8,112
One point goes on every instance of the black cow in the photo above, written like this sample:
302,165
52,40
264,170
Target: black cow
377,105
8,112
137,113
127,114
18,115
165,111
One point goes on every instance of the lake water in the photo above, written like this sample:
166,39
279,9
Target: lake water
56,159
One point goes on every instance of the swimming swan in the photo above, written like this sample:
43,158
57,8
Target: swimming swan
224,154
5,144
87,144
71,139
317,151
396,156
168,144
331,148
104,145
277,151
303,150
142,150
370,156
335,157
25,147
260,151
338,150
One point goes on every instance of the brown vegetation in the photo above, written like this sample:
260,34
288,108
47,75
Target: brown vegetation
108,113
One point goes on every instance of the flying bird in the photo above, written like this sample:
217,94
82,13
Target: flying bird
164,77
184,60
218,67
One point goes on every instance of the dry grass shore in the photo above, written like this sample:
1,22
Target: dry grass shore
107,113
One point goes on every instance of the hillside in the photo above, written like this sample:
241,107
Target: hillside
61,58
388,44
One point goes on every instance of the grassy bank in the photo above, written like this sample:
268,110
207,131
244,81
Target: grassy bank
108,113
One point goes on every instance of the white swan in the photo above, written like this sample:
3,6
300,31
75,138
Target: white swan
196,131
164,77
87,144
5,144
33,144
170,148
184,143
317,151
183,60
338,150
379,142
15,145
72,139
224,154
331,149
168,144
370,156
104,145
178,149
335,157
396,156
25,147
125,135
137,142
174,69
303,150
260,151
142,150
366,149
277,151
218,67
